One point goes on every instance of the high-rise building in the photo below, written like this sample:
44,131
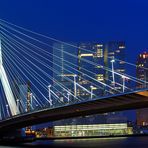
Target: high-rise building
91,60
115,50
142,73
90,63
102,56
65,65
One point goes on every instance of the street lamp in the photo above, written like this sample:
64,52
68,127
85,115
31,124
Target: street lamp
68,97
49,95
31,96
123,82
7,109
91,91
17,103
75,85
113,74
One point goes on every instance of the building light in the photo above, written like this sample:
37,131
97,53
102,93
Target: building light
111,53
99,66
117,51
122,62
99,45
68,75
100,79
94,88
86,55
120,70
112,60
121,47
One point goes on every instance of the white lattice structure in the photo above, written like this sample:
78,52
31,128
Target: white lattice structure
6,86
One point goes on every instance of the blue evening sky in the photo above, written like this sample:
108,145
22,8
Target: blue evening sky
84,20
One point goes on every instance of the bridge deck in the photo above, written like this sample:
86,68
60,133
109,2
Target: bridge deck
118,103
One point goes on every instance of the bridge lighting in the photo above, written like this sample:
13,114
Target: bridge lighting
31,96
17,103
91,90
37,105
68,97
7,109
75,85
113,74
49,95
123,84
113,60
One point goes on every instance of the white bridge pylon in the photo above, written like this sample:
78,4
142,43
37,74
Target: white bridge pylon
7,89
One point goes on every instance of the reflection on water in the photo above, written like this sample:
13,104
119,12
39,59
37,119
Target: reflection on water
121,142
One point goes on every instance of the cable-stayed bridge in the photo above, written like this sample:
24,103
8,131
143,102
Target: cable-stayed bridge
44,79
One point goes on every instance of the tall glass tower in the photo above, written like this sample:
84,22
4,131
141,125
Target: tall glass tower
142,73
115,50
90,62
65,65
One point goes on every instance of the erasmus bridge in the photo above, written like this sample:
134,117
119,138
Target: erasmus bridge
38,85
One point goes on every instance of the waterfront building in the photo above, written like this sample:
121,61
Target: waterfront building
87,130
142,69
115,50
98,53
91,58
102,56
90,62
64,68
142,73
92,130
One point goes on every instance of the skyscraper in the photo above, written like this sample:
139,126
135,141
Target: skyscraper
65,65
115,50
90,63
142,73
142,69
102,56
92,59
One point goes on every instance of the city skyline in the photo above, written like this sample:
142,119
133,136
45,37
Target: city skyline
82,21
74,68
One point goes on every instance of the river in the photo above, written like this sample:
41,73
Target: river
118,142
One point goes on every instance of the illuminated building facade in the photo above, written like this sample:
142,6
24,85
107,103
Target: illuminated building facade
142,73
115,50
86,130
94,53
100,54
64,66
92,130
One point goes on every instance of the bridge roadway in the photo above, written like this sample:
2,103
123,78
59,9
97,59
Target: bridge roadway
116,103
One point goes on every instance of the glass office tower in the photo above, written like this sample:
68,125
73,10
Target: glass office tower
142,73
65,66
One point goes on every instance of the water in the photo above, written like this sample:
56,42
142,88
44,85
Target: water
121,142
